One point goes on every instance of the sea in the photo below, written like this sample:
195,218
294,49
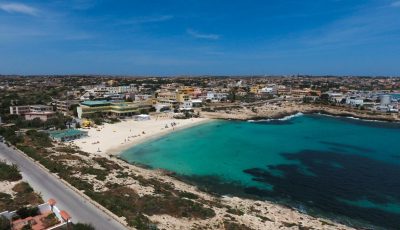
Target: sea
344,169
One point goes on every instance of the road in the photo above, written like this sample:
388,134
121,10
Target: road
51,187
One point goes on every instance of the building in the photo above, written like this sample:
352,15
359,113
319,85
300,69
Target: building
30,112
142,97
44,116
215,97
354,101
22,109
182,97
385,100
197,103
64,106
48,216
112,108
67,135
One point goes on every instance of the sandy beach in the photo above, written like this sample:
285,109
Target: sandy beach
111,139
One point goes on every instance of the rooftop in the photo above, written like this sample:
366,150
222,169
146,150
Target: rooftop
95,103
65,133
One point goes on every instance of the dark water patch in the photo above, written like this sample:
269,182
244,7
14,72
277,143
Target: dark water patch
358,121
357,178
347,146
216,185
136,163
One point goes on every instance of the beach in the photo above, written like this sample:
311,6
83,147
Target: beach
111,139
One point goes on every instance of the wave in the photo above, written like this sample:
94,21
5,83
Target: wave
286,118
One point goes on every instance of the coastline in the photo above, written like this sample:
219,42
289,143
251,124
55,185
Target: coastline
277,211
118,150
278,112
112,139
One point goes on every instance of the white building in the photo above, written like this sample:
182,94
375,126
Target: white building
216,96
354,101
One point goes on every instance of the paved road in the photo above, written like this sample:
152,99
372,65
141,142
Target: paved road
67,199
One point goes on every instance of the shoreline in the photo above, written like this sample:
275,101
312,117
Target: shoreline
284,112
118,150
233,200
113,139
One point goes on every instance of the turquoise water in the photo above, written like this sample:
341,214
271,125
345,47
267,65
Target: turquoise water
337,166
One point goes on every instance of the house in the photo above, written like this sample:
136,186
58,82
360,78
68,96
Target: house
48,216
30,112
215,97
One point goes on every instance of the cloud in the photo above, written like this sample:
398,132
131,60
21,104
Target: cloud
150,19
19,8
196,34
395,4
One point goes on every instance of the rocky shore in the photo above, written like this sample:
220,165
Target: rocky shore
285,109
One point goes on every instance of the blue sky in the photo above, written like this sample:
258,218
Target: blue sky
175,37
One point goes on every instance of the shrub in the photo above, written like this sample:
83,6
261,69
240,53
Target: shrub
40,139
26,227
9,172
50,220
25,212
80,226
4,223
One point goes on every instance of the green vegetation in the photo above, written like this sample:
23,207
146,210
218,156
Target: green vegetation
80,226
9,172
24,193
289,225
121,200
26,227
107,164
50,220
126,202
188,195
235,211
228,225
4,223
10,135
99,173
25,212
40,139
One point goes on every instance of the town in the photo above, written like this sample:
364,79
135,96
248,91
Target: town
57,121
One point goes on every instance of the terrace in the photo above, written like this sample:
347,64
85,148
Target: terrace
44,216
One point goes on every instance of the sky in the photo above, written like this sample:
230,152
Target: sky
200,37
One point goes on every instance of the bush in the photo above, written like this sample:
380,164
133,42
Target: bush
4,223
40,139
25,212
9,172
50,220
26,227
80,226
